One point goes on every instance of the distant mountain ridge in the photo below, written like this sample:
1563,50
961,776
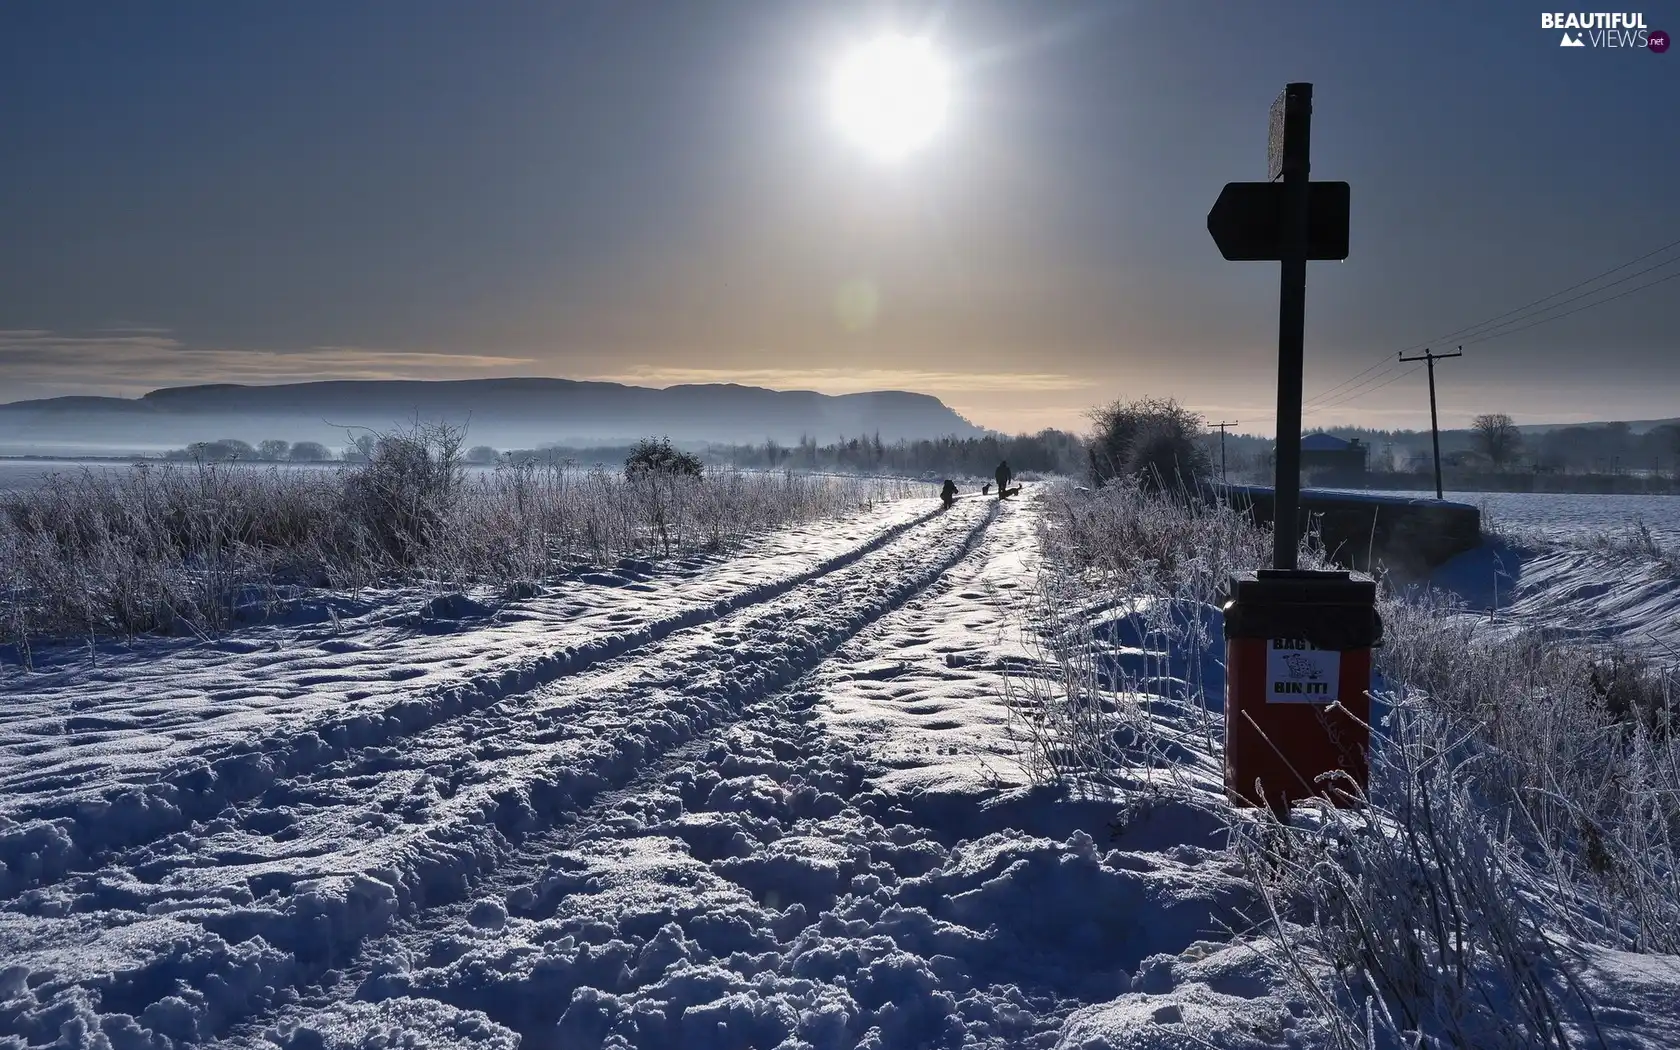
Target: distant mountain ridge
522,412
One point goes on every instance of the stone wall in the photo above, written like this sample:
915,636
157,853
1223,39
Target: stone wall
1365,530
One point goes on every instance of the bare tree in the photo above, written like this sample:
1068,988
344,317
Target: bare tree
1497,437
273,449
361,448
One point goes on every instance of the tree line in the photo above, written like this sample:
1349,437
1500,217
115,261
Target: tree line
1049,451
1494,442
225,450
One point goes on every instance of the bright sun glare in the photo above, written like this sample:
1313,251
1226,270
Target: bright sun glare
890,95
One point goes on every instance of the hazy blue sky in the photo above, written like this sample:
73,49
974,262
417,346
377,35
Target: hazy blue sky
197,192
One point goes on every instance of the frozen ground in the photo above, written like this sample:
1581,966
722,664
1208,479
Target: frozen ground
766,803
1621,596
1565,516
1560,516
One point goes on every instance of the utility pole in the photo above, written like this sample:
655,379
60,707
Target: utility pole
1223,480
1434,425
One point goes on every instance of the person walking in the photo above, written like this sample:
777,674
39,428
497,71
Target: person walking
948,494
1003,477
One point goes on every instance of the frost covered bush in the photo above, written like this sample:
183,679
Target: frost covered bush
526,517
1636,542
170,547
1129,597
403,499
1516,810
1124,537
185,548
651,457
1524,798
1413,922
1154,442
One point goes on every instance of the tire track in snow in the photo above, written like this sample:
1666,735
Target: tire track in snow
756,887
205,912
45,839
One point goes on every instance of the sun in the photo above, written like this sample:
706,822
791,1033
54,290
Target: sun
890,95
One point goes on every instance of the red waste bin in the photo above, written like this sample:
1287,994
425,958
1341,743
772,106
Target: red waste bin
1297,643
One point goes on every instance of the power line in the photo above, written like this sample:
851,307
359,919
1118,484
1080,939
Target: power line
1480,325
1571,288
1385,360
1534,318
1491,334
1638,288
1354,397
1358,389
1479,332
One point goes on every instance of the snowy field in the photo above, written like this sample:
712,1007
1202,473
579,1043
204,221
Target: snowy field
1564,517
1558,517
23,474
772,802
1607,594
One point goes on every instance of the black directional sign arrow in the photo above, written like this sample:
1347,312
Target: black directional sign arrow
1247,221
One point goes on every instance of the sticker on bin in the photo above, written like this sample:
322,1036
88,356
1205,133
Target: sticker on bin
1299,673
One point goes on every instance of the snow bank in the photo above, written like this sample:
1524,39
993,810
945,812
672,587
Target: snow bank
1570,589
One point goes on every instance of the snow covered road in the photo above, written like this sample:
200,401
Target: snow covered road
762,803
774,801
132,747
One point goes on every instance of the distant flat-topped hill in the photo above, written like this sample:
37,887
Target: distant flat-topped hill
505,413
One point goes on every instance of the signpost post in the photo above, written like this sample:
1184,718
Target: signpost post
1291,222
1297,642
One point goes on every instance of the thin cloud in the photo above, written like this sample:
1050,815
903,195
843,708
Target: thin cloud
132,363
849,380
1048,38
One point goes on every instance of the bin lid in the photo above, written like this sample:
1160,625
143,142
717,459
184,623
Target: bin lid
1302,587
